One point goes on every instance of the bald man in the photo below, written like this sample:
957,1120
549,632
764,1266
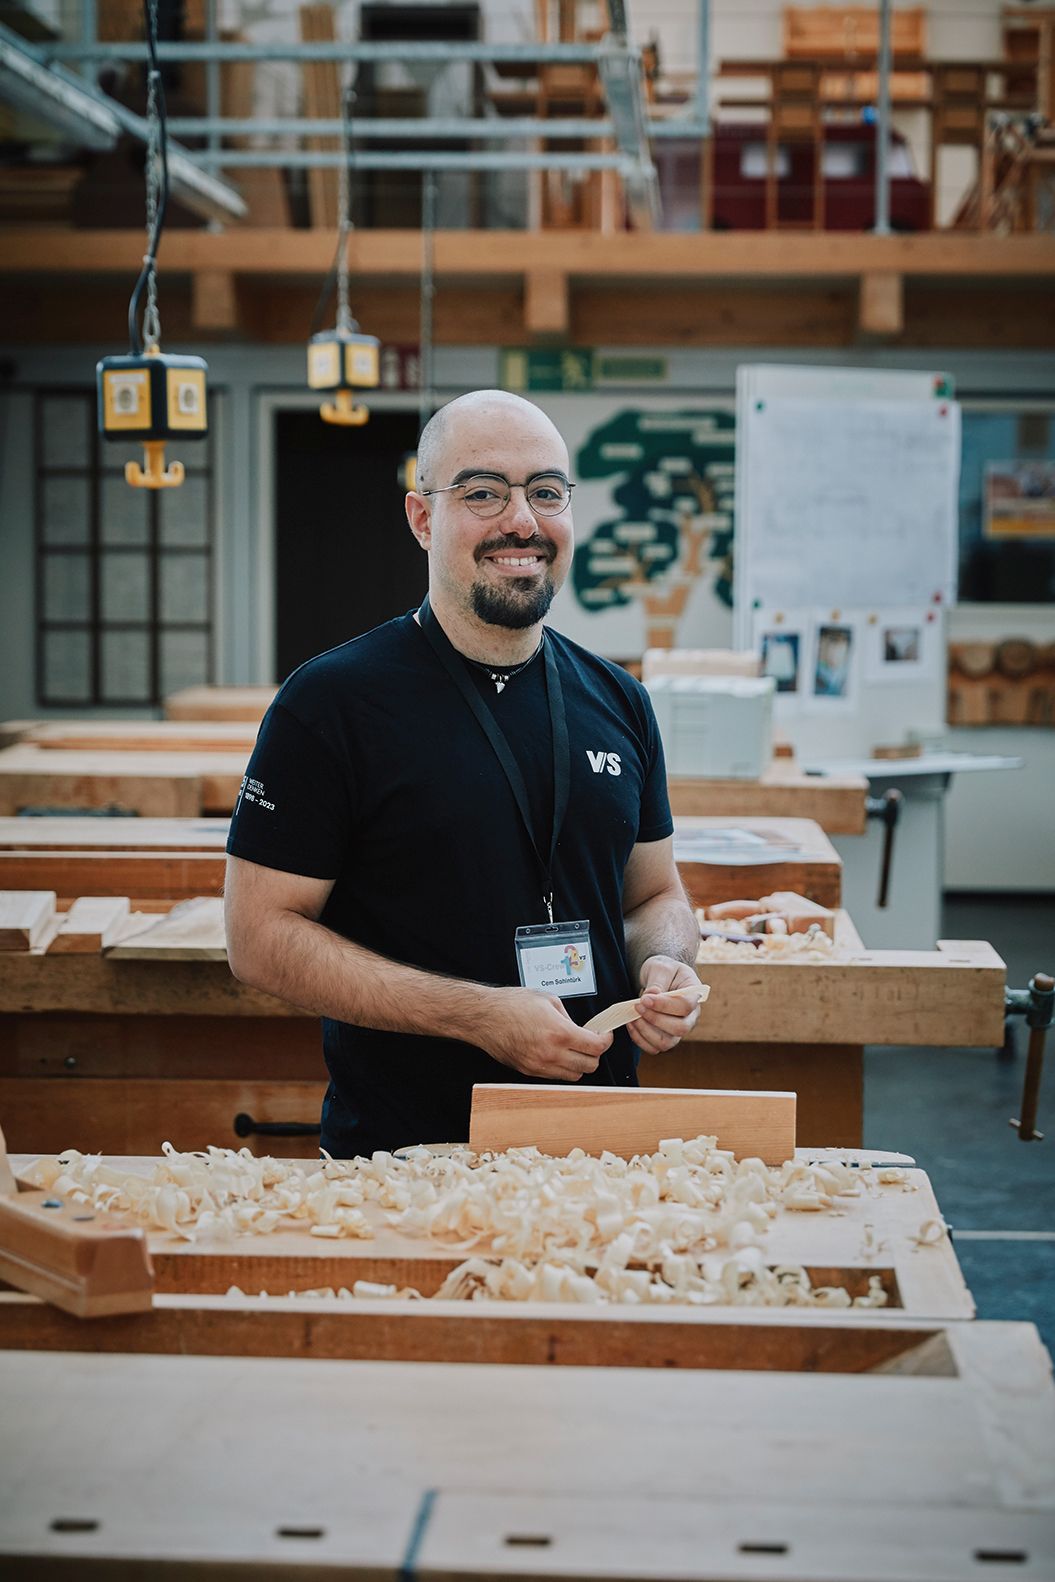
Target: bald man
453,841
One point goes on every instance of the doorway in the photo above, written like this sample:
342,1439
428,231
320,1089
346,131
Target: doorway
345,559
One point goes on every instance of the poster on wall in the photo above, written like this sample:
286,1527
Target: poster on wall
901,645
832,664
1020,499
782,640
653,523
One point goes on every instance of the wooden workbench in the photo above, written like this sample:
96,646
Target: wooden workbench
121,1055
870,1235
406,1471
150,860
152,784
835,802
727,858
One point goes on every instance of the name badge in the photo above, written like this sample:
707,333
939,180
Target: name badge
556,958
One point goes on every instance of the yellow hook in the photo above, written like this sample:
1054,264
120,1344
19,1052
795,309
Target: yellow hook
155,475
344,411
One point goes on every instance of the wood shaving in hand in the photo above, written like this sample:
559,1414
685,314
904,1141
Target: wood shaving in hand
683,1224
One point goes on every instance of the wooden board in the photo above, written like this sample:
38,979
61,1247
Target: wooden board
220,703
139,875
142,736
160,835
835,802
89,1264
627,1121
875,1234
192,931
25,916
790,854
93,923
541,1473
155,784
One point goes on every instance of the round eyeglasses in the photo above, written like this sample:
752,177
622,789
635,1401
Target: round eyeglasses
487,494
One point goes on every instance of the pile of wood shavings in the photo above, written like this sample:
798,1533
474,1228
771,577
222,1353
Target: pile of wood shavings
814,946
579,1228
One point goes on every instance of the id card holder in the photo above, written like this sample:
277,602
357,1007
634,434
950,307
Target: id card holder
556,958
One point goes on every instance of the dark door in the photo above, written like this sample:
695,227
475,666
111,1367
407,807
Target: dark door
345,559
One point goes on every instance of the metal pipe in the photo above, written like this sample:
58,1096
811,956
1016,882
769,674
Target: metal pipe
435,54
89,36
420,129
882,163
428,291
329,159
702,102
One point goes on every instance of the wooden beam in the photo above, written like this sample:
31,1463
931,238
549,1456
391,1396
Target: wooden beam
881,303
214,304
735,255
547,309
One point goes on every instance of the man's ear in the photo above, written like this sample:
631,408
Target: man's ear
419,518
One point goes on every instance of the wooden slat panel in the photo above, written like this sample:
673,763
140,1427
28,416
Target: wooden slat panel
628,1121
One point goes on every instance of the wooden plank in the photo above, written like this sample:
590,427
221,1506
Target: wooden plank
835,802
949,998
93,923
97,985
322,99
163,785
25,916
143,736
220,703
790,854
89,1264
139,875
164,835
192,931
117,1116
628,1121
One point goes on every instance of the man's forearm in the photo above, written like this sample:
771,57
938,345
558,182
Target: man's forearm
662,926
319,971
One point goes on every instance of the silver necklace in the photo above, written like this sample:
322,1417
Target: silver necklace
500,677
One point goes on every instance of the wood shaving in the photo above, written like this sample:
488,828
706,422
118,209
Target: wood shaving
683,1224
814,946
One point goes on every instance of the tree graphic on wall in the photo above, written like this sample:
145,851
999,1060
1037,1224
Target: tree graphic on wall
675,499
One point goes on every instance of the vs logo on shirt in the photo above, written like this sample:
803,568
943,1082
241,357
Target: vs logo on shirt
601,761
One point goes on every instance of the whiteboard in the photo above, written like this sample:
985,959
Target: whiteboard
847,502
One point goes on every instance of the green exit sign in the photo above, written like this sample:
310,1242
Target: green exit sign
572,368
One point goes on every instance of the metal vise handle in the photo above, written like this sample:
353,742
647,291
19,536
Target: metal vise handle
887,808
246,1126
1037,1005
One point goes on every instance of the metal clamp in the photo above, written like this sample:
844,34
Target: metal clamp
886,808
1037,1005
246,1126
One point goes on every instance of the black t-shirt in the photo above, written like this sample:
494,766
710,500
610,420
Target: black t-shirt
370,769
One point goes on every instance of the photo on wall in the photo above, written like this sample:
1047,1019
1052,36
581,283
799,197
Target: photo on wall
901,646
833,660
781,658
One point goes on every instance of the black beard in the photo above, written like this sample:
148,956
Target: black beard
524,602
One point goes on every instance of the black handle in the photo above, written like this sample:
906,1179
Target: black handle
246,1126
886,808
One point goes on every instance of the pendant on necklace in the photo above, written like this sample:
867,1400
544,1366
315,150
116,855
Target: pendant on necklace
499,683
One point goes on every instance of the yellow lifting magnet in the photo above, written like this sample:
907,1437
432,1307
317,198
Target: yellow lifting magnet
343,361
153,397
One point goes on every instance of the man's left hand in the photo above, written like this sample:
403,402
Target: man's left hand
666,1017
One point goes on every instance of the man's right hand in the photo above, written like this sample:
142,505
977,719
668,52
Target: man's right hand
533,1033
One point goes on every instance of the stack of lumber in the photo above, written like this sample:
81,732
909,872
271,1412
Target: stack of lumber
219,703
105,924
154,862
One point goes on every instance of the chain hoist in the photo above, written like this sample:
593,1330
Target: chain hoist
151,395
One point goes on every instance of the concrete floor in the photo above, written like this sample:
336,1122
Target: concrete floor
950,1108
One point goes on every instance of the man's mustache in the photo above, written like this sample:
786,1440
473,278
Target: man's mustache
516,546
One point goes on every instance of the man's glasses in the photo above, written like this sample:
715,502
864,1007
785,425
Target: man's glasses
488,495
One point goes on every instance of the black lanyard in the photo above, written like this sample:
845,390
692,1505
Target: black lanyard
453,664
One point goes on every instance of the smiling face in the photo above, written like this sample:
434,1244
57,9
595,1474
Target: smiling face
503,570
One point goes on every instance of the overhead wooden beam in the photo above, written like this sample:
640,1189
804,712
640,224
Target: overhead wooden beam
739,255
547,308
214,303
881,303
